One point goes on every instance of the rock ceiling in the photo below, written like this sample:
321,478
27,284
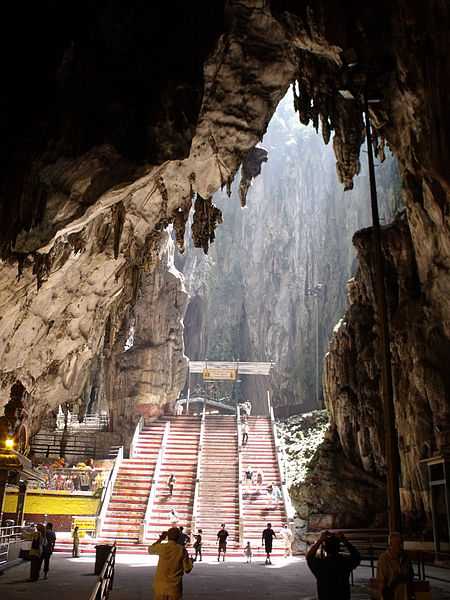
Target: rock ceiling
117,119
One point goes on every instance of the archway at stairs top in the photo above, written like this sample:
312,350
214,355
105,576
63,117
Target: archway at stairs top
217,385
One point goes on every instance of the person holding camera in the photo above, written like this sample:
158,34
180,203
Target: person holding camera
173,563
332,571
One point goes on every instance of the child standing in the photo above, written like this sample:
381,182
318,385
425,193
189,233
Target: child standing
248,552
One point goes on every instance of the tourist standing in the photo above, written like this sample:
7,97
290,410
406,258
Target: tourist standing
49,548
248,552
171,483
394,570
333,571
37,550
259,478
198,545
173,563
245,432
76,543
276,493
183,538
287,537
222,536
267,539
249,476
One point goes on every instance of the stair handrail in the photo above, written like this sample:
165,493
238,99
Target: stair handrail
290,511
137,433
198,472
107,492
240,497
155,478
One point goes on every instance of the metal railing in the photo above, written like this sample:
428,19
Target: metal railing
198,474
137,432
240,493
94,422
8,535
90,422
107,491
156,475
53,445
106,578
290,511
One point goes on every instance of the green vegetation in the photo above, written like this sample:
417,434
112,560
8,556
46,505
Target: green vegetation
302,435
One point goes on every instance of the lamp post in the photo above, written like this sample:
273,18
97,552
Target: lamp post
315,292
390,430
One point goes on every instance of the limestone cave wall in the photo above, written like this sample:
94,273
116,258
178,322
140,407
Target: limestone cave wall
117,118
352,380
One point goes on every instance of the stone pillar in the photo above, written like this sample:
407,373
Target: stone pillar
3,482
21,502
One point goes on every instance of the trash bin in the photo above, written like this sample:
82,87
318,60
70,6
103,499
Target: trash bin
101,556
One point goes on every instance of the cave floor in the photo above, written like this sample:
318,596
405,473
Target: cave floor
73,579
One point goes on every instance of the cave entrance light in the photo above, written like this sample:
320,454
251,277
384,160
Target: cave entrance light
359,81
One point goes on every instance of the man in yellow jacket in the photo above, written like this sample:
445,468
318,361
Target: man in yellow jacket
173,563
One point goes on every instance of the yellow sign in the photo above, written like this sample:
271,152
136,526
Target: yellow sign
219,374
84,523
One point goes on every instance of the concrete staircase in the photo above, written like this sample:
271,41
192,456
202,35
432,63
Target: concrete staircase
258,510
219,483
131,490
217,498
180,458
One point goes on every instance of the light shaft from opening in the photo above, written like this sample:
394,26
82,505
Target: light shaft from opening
390,430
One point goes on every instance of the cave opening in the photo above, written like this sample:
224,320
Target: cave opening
136,119
273,285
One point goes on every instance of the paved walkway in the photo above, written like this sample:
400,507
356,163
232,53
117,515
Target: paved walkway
73,579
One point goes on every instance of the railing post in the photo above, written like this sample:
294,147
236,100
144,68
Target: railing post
137,432
107,491
290,511
198,474
240,499
156,474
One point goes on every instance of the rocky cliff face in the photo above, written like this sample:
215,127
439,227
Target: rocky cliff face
353,392
84,205
250,298
115,118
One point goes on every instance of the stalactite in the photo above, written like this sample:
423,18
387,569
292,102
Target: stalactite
229,182
77,242
251,168
326,129
118,218
21,260
180,218
162,189
206,218
41,267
